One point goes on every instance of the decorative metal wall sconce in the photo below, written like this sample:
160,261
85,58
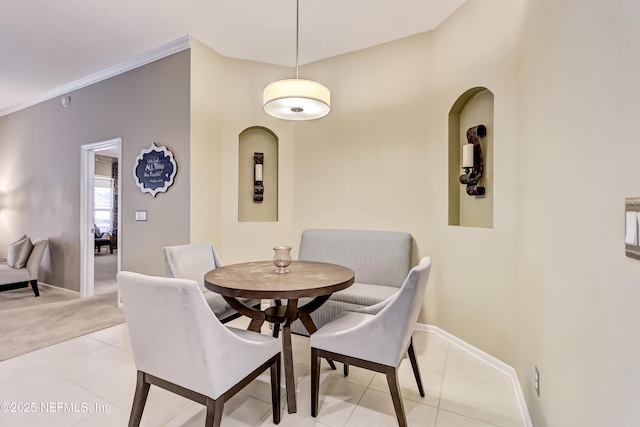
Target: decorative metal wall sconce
472,161
258,186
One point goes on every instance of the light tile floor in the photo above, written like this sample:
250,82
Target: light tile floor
90,380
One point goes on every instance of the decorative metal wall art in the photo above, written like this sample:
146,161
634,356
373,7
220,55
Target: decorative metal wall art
154,169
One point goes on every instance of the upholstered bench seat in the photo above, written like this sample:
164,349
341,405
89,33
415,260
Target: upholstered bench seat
381,261
363,294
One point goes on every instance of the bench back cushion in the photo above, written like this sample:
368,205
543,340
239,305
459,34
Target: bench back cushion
377,257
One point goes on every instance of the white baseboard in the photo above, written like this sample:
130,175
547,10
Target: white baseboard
488,359
76,293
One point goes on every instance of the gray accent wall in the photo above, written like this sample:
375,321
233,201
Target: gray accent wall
40,167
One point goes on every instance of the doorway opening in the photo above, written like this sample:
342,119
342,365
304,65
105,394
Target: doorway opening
100,224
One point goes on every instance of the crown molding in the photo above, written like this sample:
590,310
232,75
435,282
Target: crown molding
135,62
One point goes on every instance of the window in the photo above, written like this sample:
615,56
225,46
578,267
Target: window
103,203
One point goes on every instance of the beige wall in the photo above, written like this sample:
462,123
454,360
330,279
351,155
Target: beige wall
380,161
40,173
549,285
207,101
577,160
372,162
475,289
243,241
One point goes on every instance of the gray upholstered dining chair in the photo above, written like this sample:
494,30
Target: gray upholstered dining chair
193,262
181,346
375,338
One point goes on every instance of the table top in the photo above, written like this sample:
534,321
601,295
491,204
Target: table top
260,280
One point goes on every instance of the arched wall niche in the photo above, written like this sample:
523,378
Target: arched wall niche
474,107
257,139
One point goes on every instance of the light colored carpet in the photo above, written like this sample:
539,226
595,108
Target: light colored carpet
105,269
28,323
25,298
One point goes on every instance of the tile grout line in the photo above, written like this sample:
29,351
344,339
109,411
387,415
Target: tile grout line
77,384
444,369
357,403
367,387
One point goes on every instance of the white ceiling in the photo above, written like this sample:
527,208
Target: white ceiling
46,44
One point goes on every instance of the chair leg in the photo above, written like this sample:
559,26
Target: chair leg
414,365
396,396
345,370
276,330
311,328
214,412
139,400
34,286
275,389
315,381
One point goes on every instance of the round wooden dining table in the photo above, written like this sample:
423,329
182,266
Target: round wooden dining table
305,279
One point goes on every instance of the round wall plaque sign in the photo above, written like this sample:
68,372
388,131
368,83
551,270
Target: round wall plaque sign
154,169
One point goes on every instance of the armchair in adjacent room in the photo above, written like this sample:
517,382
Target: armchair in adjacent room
102,239
25,272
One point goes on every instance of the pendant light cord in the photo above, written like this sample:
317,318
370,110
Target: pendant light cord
297,24
296,99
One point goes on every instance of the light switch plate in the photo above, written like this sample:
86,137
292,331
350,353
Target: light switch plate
632,227
141,215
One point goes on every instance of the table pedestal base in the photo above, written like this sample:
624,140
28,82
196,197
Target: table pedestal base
286,315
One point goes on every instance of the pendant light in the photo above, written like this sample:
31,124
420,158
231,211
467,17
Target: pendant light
297,99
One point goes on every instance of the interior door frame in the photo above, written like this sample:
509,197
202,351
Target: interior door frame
87,244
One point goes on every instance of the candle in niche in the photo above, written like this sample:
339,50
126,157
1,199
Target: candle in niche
467,156
258,172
